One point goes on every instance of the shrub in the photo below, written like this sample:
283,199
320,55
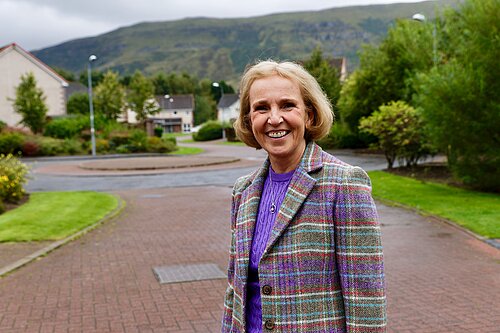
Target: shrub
138,141
11,143
30,148
12,178
158,132
157,145
399,131
2,126
171,139
72,147
50,146
119,138
2,207
67,127
102,145
211,130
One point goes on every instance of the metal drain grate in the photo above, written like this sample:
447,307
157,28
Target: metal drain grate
185,273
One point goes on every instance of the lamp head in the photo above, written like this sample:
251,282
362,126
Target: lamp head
216,84
92,58
419,17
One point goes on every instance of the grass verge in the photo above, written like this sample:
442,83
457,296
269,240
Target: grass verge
476,211
187,151
231,143
54,215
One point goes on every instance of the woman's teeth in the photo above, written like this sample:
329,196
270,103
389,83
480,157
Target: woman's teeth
278,134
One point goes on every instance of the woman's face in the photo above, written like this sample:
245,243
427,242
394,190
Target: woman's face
278,117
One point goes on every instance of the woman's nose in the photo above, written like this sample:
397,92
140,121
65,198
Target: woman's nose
275,117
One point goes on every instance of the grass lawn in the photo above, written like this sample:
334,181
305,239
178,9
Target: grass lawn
187,151
476,211
54,215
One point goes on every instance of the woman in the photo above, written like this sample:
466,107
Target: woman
305,251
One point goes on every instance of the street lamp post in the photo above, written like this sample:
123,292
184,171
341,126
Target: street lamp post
421,18
218,85
91,104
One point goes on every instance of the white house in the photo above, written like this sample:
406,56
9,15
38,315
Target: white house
15,62
228,108
176,114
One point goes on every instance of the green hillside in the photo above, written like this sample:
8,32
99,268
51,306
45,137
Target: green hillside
220,48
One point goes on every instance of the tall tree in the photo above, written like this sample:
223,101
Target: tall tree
30,104
326,75
141,98
459,98
110,96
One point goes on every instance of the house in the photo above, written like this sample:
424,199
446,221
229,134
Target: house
176,114
340,64
15,62
228,108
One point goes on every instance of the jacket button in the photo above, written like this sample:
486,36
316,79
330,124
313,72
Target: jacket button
269,324
267,290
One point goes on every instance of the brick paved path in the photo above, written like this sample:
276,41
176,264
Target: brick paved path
439,279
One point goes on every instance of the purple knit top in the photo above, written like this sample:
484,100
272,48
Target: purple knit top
263,227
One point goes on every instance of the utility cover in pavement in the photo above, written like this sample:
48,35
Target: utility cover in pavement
185,273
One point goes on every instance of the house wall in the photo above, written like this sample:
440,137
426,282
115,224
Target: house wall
12,66
226,114
186,115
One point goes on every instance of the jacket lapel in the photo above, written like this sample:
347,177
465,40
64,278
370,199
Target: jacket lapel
300,186
247,215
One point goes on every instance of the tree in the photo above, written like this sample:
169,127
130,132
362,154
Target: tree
399,131
204,109
141,97
78,103
326,75
110,96
387,71
30,104
459,98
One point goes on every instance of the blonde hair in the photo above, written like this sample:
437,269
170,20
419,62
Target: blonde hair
314,98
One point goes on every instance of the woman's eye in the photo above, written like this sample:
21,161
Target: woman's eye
260,108
288,106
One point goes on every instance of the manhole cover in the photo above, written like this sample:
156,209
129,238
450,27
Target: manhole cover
185,273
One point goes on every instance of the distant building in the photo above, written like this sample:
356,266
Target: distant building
176,115
340,64
15,62
228,108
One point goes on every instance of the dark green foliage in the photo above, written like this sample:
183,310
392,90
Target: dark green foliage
205,109
211,130
30,103
157,145
67,75
78,103
11,143
459,98
67,127
158,132
97,77
387,72
325,74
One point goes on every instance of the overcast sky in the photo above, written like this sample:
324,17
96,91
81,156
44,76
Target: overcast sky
35,24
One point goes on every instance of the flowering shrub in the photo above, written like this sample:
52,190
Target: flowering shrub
12,178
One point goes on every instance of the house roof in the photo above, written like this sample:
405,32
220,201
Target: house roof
227,100
75,87
176,102
14,47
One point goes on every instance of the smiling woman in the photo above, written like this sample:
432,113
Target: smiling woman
305,252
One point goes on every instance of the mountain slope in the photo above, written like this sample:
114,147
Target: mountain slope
220,48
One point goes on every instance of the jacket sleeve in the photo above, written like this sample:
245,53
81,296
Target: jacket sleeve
227,316
359,254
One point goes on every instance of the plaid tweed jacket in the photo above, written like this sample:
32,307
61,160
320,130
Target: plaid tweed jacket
322,269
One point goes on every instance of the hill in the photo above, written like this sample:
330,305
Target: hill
219,49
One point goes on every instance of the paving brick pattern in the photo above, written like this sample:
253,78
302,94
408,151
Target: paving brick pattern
439,279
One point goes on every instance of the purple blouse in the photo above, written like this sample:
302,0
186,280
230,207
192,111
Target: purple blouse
263,226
